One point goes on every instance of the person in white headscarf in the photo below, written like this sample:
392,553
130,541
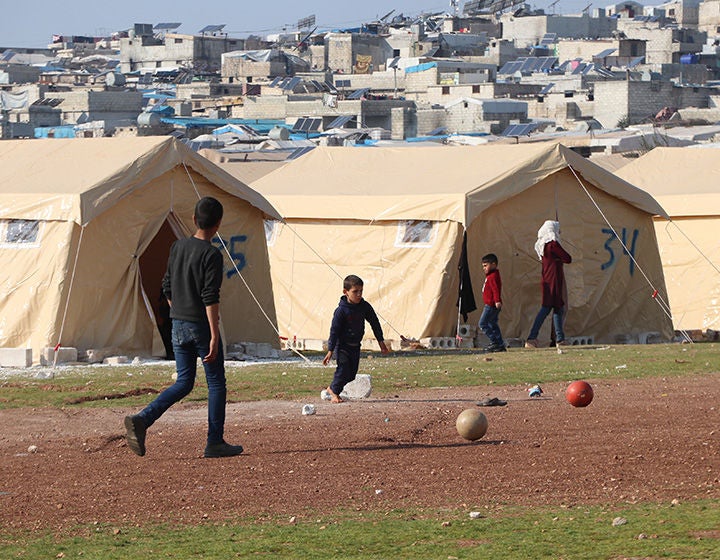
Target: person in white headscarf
553,256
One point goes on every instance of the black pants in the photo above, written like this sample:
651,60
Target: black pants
348,361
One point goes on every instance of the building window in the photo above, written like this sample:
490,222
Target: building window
476,89
396,52
158,64
446,90
20,233
178,40
415,233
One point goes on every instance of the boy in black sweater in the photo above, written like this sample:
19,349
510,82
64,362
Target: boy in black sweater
192,288
346,334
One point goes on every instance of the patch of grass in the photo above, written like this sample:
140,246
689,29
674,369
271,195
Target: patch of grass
131,386
688,530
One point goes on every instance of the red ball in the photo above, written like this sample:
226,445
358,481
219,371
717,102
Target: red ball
579,393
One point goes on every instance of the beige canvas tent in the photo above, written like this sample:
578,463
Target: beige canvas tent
86,229
685,182
396,217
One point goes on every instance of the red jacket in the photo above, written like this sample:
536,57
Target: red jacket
553,276
492,288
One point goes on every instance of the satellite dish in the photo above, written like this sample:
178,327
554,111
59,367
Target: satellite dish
114,79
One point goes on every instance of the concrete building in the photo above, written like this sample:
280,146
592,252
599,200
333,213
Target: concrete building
663,44
527,31
683,12
709,17
82,105
631,102
349,53
248,66
445,73
200,52
19,74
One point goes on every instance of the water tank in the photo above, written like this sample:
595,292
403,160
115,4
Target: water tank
279,133
115,79
689,59
148,119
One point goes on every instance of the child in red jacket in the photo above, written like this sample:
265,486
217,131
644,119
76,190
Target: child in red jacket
492,299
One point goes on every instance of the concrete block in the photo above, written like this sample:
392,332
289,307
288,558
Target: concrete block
360,388
65,354
15,357
467,343
579,340
97,355
250,348
467,331
116,360
263,350
293,343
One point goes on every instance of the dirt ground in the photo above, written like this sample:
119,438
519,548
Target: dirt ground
644,440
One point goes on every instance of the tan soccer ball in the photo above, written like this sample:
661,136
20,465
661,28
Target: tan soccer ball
471,424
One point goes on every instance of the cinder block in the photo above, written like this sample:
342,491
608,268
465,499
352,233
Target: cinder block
65,355
467,331
579,340
15,357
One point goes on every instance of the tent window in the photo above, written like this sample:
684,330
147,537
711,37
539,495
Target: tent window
415,233
271,229
20,233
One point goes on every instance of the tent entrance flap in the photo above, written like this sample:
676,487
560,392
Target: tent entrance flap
153,263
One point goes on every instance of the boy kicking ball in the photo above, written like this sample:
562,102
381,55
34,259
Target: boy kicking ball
346,334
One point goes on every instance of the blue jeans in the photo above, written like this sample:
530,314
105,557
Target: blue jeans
557,323
192,341
489,324
348,362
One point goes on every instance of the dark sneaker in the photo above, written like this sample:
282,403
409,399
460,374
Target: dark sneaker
222,449
498,348
136,429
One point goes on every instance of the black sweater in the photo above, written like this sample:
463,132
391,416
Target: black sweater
193,278
348,323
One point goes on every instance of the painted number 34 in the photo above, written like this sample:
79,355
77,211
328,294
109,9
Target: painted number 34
611,245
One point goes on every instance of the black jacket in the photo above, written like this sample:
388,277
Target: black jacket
348,323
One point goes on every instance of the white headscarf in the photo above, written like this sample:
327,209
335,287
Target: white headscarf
549,231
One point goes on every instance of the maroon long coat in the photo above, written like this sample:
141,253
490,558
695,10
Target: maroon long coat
553,277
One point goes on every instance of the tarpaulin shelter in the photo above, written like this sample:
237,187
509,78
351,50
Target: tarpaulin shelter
396,217
85,231
685,182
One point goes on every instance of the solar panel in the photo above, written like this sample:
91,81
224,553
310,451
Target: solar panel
547,88
166,26
212,28
300,152
437,131
549,39
329,85
7,55
519,129
548,62
512,67
605,53
635,61
276,81
290,84
340,121
342,83
306,124
358,93
146,79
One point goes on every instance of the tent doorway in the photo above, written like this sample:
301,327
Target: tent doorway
153,264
